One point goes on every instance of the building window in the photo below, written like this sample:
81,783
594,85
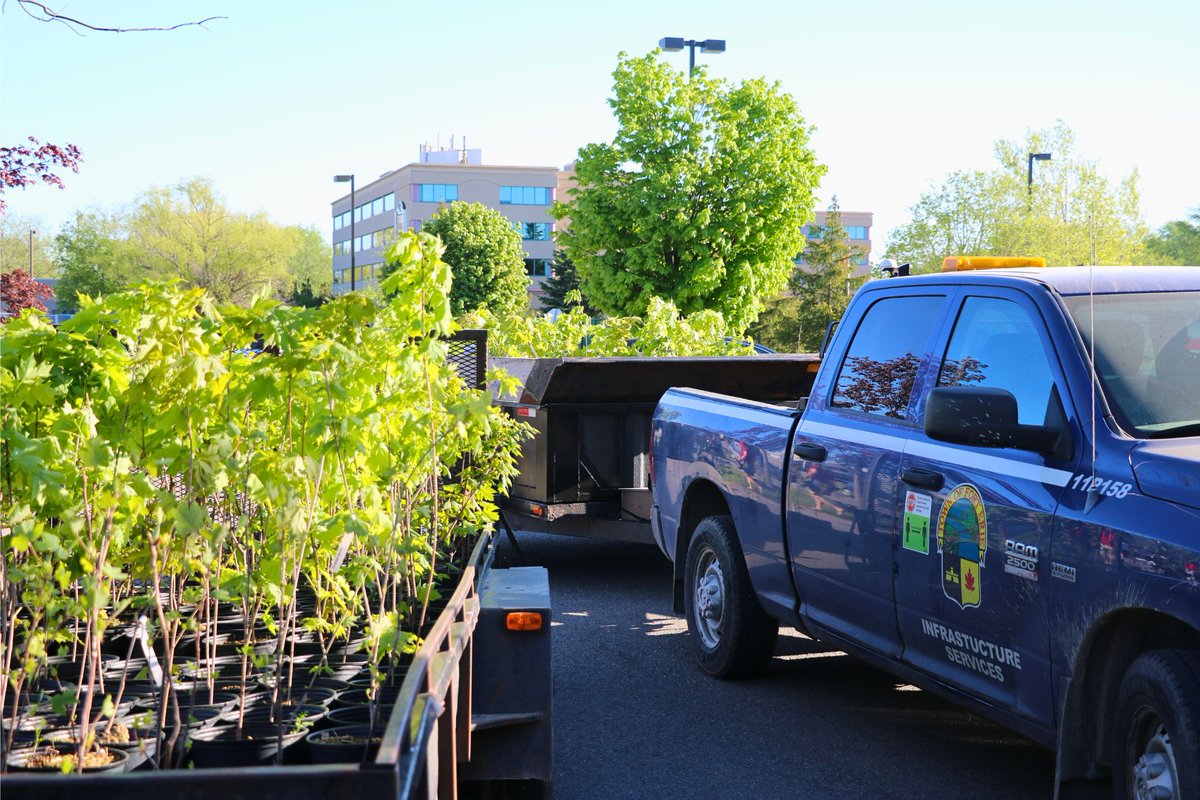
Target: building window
337,222
414,224
525,196
860,261
389,201
856,231
537,267
533,231
382,238
434,192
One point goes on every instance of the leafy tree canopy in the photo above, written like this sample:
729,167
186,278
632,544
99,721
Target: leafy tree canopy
700,198
308,265
1177,242
187,231
778,326
94,258
1073,215
25,165
485,257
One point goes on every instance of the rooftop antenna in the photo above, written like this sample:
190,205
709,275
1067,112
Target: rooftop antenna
1093,494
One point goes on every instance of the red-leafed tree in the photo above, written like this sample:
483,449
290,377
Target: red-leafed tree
24,165
18,291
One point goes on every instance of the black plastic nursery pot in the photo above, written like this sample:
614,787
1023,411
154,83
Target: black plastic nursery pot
427,732
347,744
21,760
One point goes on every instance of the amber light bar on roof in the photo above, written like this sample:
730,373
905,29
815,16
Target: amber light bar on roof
959,263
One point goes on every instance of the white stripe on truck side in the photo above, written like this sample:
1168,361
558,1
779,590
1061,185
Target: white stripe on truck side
968,459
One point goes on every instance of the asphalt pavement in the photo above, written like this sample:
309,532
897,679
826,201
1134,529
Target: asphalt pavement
634,717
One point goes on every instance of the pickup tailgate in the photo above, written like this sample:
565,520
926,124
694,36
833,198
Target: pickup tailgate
711,449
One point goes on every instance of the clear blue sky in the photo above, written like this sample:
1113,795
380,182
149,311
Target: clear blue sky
273,101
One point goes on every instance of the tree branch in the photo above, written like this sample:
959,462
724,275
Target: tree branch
43,13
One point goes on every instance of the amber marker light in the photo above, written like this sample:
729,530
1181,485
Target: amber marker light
963,263
523,621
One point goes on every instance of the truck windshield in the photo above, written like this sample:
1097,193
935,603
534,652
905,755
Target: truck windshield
1147,356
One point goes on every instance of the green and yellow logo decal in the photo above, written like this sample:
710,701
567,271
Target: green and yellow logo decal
962,541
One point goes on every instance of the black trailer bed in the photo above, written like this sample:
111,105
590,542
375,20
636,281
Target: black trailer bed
586,470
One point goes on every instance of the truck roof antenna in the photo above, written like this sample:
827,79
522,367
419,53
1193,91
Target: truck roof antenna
1093,495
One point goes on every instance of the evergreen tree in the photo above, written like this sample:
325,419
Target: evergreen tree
824,283
564,281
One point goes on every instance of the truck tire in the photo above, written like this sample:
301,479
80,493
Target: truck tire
733,637
1156,732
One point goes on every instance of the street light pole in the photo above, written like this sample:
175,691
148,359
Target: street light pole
1034,157
353,241
31,233
673,44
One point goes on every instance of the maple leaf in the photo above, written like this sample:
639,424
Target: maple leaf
970,580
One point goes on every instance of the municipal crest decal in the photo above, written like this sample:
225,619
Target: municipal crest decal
962,543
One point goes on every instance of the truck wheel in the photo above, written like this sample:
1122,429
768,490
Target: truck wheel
732,635
1156,736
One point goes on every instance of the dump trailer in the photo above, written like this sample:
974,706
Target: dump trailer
586,471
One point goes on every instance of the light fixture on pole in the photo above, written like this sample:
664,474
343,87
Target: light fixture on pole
1034,157
401,218
673,44
353,242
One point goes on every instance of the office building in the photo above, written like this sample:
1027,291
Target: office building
405,198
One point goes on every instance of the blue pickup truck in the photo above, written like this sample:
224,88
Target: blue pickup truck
992,491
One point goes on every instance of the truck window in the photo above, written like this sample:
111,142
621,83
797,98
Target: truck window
997,343
882,359
1147,348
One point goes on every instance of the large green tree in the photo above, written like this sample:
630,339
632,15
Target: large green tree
700,198
1177,242
94,257
187,231
485,257
1072,215
308,265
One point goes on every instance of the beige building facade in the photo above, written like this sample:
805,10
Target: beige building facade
405,198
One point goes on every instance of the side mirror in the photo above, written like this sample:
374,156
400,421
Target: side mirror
986,417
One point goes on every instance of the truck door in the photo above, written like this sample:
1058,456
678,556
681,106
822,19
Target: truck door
972,557
843,478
